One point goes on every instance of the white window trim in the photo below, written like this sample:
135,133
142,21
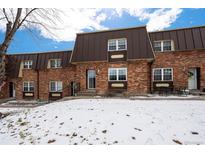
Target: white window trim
29,86
117,70
55,63
56,86
162,70
26,63
162,45
116,41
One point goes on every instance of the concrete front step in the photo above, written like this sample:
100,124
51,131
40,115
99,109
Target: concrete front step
197,92
115,94
6,100
87,93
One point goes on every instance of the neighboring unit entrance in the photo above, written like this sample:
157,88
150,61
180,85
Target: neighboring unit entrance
192,78
11,89
91,79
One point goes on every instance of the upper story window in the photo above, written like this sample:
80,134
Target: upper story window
55,63
117,44
56,86
165,45
28,86
162,74
117,74
27,64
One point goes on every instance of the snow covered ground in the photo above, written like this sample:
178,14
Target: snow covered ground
107,121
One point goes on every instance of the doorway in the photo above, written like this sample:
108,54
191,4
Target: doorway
192,78
91,79
12,92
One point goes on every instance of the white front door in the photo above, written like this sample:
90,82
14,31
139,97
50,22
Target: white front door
192,79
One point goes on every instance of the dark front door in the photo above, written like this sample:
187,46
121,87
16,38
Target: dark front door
73,88
11,89
91,81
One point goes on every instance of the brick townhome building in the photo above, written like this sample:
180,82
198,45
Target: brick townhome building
129,61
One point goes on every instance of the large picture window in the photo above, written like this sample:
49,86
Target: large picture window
162,74
165,45
117,74
28,86
56,86
117,44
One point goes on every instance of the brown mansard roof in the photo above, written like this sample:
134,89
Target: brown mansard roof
40,61
184,38
93,46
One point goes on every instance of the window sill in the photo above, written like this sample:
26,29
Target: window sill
116,50
165,51
54,67
163,81
117,80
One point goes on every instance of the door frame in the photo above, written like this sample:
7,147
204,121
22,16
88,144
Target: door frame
87,78
195,77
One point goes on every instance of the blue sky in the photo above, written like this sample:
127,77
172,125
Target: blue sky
25,41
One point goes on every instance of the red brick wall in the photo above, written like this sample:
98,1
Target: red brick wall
4,91
66,75
138,79
101,75
138,76
28,75
181,61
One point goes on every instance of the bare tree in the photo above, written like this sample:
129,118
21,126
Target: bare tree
28,18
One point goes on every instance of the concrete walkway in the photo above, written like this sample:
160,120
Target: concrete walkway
10,103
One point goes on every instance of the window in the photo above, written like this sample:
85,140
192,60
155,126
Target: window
55,63
112,45
56,86
27,64
28,86
162,74
166,45
167,74
112,74
117,74
157,46
117,44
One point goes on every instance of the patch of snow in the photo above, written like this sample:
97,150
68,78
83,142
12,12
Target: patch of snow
107,121
5,110
168,96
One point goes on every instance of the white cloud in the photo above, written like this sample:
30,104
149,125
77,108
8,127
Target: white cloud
156,19
72,21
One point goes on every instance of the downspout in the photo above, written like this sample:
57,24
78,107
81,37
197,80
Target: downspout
37,69
150,67
38,84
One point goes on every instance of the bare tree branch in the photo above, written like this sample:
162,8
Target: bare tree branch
29,19
12,14
27,14
4,11
2,18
